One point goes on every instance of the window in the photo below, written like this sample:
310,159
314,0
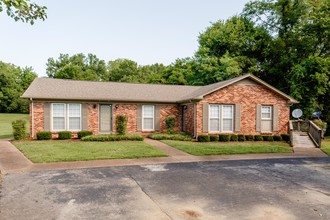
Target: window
214,115
221,118
227,118
266,112
58,117
148,117
66,117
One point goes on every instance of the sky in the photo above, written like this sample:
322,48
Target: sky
146,31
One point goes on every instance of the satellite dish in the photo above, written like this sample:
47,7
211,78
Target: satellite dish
297,113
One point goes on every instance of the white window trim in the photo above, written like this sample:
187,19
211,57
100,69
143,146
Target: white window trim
66,117
153,118
232,118
270,115
219,118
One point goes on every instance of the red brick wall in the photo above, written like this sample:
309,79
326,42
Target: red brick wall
125,109
38,114
93,118
248,96
170,111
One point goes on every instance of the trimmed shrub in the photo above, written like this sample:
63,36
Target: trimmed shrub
203,138
113,137
44,135
241,137
258,138
63,135
234,137
277,138
166,136
19,129
249,137
285,137
224,137
214,138
170,124
82,134
121,124
268,138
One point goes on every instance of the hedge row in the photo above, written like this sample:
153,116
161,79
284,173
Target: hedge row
113,137
62,135
167,136
242,137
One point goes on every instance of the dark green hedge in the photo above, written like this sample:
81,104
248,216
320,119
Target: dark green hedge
258,138
249,137
285,137
214,138
166,136
268,138
82,134
203,138
241,137
224,137
64,135
234,137
44,135
19,129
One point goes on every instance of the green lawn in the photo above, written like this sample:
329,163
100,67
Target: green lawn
57,151
198,149
6,119
325,146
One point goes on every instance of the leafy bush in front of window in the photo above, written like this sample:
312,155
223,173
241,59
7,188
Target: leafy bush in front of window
166,136
277,138
121,124
224,137
249,137
63,135
234,137
258,138
82,134
44,135
268,138
19,129
241,137
113,137
214,138
203,138
285,137
170,124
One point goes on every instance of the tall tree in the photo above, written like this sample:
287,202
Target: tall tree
23,10
13,82
78,66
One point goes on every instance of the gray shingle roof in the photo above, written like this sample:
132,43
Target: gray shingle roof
63,89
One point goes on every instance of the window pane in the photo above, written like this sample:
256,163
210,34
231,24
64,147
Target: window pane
266,112
214,111
214,124
74,123
58,123
148,111
148,124
58,110
227,111
74,110
227,124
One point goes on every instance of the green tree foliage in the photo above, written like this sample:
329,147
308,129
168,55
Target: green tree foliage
23,10
122,70
13,82
78,66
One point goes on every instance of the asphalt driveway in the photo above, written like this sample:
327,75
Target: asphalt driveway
251,189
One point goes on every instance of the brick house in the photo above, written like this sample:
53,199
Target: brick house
245,105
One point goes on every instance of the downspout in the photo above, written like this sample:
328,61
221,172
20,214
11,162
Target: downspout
195,123
32,119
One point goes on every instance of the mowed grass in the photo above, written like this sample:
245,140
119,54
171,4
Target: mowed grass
325,146
59,151
6,119
199,149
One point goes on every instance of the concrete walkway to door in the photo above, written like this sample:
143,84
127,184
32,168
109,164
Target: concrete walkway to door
13,161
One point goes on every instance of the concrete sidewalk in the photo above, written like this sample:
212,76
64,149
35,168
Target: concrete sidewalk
13,161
